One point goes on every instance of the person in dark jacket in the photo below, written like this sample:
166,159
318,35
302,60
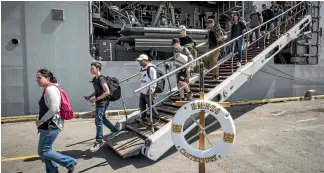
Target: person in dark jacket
238,28
100,97
255,20
187,42
277,22
267,14
50,124
216,37
289,13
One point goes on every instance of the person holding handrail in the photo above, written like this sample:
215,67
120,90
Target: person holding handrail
238,28
187,42
277,22
147,74
267,15
288,15
256,20
182,56
216,37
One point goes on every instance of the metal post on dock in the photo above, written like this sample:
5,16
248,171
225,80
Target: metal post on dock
150,105
202,166
243,8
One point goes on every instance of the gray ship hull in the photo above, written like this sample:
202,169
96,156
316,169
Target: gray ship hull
63,47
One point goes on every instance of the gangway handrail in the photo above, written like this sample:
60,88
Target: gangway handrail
218,48
158,64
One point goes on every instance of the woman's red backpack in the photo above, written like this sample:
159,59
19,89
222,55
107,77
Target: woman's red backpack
66,110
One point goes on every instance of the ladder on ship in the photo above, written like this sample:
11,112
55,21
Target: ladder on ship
153,143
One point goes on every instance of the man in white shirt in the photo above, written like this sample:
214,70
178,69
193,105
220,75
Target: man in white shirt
147,75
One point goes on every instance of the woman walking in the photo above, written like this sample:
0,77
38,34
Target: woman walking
50,123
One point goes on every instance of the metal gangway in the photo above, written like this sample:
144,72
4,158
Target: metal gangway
154,141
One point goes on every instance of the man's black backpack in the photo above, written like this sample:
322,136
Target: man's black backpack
114,88
160,84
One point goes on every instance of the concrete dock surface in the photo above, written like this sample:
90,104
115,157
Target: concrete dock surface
272,138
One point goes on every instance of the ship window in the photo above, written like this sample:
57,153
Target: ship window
14,41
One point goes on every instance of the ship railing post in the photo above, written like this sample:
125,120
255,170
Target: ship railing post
166,71
265,36
99,9
150,105
123,101
110,51
247,44
232,58
202,166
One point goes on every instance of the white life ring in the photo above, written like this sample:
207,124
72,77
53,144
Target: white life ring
221,114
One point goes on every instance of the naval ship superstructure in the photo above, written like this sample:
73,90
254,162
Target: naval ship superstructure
66,37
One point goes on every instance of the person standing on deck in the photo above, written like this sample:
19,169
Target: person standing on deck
182,56
100,97
238,28
147,74
267,15
256,20
216,37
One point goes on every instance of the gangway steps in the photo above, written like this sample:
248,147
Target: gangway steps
126,144
135,135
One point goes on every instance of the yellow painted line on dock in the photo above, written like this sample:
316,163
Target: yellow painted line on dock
129,111
76,115
311,119
19,158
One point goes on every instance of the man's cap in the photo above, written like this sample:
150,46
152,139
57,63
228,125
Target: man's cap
254,6
175,40
182,27
142,57
264,5
210,21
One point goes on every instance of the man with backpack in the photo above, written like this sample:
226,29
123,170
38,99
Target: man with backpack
256,20
238,28
148,73
187,42
216,37
100,97
181,57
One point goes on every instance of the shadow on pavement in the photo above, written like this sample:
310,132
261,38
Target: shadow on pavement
140,161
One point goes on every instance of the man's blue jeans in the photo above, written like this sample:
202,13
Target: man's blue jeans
100,120
46,140
238,48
